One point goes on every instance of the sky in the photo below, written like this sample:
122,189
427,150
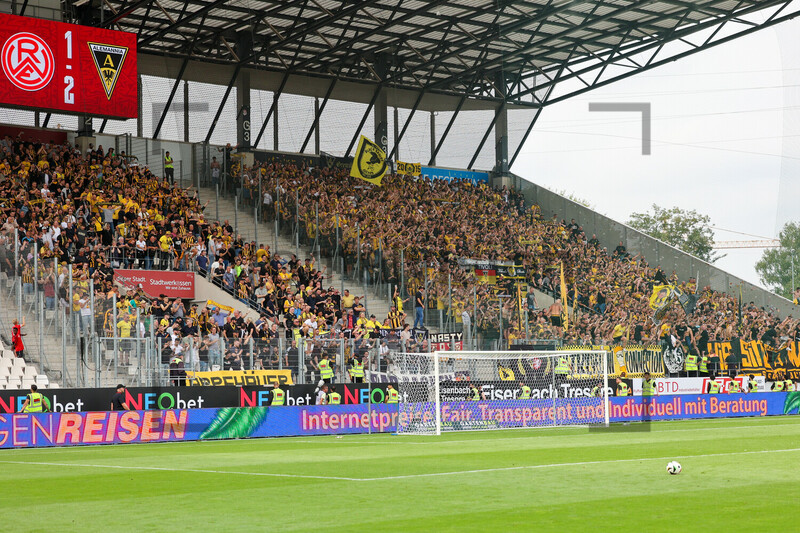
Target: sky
726,142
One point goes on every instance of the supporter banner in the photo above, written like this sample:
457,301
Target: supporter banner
393,335
659,301
409,169
755,357
661,296
450,174
239,378
67,67
211,304
635,359
117,427
511,272
369,163
285,158
391,377
446,341
158,282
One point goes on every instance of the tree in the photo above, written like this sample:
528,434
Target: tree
575,198
687,230
776,264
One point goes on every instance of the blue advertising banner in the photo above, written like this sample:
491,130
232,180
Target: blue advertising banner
589,410
25,430
675,407
449,174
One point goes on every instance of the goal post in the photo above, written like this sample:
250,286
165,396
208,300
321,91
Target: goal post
454,390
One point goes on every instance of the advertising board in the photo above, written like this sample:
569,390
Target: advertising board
157,282
148,398
122,427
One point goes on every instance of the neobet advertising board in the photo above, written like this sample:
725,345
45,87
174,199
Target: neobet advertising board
66,67
148,398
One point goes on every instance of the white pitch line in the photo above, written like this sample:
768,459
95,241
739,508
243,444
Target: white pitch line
409,476
581,463
193,470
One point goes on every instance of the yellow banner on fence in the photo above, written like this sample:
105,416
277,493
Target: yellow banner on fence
239,378
409,169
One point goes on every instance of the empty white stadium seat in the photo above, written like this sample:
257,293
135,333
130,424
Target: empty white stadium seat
14,383
6,363
54,386
8,353
30,371
17,371
26,383
19,362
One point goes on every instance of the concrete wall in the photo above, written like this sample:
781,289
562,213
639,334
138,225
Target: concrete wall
610,232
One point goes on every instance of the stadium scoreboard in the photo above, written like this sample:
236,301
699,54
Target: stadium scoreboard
55,66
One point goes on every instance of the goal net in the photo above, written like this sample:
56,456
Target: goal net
453,391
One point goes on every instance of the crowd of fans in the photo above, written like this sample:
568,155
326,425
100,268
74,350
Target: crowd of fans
99,211
436,223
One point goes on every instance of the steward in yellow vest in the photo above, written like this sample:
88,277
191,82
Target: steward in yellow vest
392,395
325,370
35,402
525,393
278,396
334,398
648,385
691,365
357,371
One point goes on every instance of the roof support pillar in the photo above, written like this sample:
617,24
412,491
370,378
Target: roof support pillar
273,109
396,149
501,130
243,110
381,116
318,109
432,162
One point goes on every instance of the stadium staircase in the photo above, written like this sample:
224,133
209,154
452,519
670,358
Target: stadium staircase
244,223
37,367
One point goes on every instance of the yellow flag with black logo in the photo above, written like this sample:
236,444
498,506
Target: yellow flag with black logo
369,164
506,374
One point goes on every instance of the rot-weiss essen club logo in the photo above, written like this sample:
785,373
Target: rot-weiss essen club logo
27,61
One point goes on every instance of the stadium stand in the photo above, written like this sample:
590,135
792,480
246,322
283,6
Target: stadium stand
100,210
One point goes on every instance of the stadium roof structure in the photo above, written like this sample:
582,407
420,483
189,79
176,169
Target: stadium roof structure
458,54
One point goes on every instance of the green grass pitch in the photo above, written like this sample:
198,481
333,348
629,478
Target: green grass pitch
738,475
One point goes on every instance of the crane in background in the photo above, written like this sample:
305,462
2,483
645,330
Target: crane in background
762,242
